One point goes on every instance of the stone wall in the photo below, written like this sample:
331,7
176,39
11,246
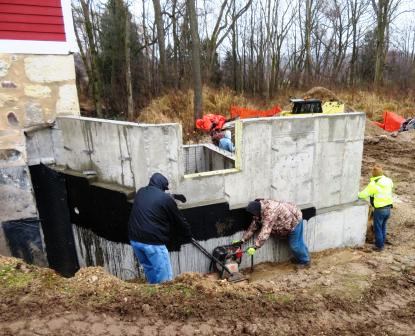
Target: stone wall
34,89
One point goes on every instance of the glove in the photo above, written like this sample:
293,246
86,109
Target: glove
180,197
238,242
251,251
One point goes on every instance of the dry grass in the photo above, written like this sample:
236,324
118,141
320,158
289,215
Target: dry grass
177,106
375,103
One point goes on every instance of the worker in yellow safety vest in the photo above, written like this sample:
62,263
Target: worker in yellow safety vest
379,190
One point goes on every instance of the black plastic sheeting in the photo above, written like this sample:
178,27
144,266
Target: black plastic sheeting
51,199
106,213
24,240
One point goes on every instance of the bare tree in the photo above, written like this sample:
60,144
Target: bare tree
385,11
197,75
130,100
161,41
83,22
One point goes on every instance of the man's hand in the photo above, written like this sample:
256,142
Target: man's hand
251,251
180,197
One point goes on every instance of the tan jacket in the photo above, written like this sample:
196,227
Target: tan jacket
278,218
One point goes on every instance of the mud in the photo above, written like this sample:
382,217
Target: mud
345,292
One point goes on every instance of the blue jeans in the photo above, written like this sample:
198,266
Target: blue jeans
155,261
380,218
297,245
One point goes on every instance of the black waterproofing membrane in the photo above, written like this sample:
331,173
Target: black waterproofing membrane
65,199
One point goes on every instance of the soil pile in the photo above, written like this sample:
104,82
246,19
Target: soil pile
321,93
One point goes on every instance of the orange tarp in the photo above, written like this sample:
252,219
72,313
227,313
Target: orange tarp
391,121
244,113
210,122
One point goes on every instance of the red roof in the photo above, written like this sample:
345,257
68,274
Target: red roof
37,20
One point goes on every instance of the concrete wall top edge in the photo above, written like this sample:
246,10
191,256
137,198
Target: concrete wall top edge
244,121
293,117
117,122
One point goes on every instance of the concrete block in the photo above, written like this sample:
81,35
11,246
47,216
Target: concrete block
50,68
68,100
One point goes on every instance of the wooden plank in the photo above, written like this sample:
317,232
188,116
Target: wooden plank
24,18
8,35
34,10
46,3
32,27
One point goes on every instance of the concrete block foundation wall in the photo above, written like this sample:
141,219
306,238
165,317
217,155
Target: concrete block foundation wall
34,89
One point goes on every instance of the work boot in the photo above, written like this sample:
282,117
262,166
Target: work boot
377,249
302,266
293,260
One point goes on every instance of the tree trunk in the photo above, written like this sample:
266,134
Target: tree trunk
307,40
96,78
161,41
175,46
382,23
197,76
130,101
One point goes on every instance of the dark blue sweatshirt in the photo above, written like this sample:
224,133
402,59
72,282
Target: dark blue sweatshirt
155,214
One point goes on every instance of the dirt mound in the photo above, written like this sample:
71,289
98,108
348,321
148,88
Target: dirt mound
408,136
374,130
319,92
96,279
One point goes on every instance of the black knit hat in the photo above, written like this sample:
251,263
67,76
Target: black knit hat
254,208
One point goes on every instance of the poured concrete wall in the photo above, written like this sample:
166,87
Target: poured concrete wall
34,90
205,158
307,159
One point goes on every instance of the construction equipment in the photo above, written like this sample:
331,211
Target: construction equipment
311,106
225,260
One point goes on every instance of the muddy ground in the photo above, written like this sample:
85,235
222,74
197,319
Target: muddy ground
345,292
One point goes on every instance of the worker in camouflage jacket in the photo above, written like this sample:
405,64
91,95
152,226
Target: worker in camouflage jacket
280,219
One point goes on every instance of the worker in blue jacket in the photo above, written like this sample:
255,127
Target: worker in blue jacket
226,142
153,217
